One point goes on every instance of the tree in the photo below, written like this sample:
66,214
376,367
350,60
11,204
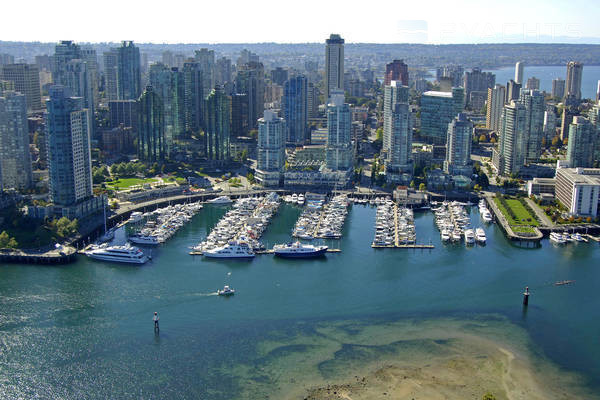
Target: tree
555,140
250,177
7,242
488,396
565,141
412,184
422,187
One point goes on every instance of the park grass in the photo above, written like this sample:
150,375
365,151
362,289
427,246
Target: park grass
524,221
126,183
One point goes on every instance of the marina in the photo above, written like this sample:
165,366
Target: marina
322,219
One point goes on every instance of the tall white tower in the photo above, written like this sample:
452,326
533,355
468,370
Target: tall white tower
334,64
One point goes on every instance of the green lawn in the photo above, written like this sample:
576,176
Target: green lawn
126,183
523,222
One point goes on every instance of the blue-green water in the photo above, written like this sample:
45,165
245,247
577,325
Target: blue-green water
85,330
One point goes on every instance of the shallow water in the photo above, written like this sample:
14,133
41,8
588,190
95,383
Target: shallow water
85,330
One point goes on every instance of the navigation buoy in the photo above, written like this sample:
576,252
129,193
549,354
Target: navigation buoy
526,296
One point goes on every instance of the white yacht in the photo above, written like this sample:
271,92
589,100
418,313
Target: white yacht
294,198
148,240
486,216
301,199
298,250
233,249
469,237
446,236
226,291
220,200
557,238
480,235
135,216
124,254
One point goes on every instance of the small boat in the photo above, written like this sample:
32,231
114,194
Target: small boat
446,236
480,235
560,283
220,200
557,238
135,216
226,291
148,240
294,198
469,237
301,199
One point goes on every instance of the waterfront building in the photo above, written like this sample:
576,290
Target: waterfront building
26,80
558,88
397,133
68,145
458,146
15,160
218,125
573,84
437,111
578,189
339,152
495,104
151,134
206,60
250,81
128,73
535,106
271,149
334,65
582,139
477,81
512,147
519,72
397,70
295,109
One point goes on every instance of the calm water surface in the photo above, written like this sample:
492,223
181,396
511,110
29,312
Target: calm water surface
85,330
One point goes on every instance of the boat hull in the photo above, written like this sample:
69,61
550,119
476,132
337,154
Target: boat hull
313,254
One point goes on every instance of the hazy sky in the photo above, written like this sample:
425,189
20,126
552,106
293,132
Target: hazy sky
222,21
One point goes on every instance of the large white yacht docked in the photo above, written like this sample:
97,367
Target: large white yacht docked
298,250
123,254
147,240
233,249
220,200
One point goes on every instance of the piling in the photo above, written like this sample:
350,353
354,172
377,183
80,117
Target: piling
526,296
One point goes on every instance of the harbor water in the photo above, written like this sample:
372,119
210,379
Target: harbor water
85,330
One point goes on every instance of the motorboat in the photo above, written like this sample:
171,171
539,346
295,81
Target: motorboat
300,199
557,238
294,198
233,249
486,216
226,291
469,237
135,216
123,254
299,250
148,240
480,235
446,236
220,200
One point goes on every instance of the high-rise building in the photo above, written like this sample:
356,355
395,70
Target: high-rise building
558,88
437,111
110,59
206,59
193,97
279,76
549,123
295,109
6,59
478,81
580,150
533,83
565,121
123,112
15,160
598,92
168,83
223,71
495,104
513,91
26,80
573,84
271,149
339,154
64,52
247,56
397,70
454,72
535,106
458,146
129,78
513,139
80,77
313,100
218,125
250,80
519,72
239,115
397,133
334,65
151,133
168,59
68,146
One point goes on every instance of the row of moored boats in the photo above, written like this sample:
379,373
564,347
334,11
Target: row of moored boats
454,224
394,225
322,219
565,237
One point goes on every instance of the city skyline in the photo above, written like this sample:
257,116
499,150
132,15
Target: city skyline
472,22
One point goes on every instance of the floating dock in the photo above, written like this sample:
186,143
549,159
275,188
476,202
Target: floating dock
403,246
259,252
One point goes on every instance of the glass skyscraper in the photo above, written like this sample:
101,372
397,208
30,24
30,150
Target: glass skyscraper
218,125
339,152
15,161
151,134
295,109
